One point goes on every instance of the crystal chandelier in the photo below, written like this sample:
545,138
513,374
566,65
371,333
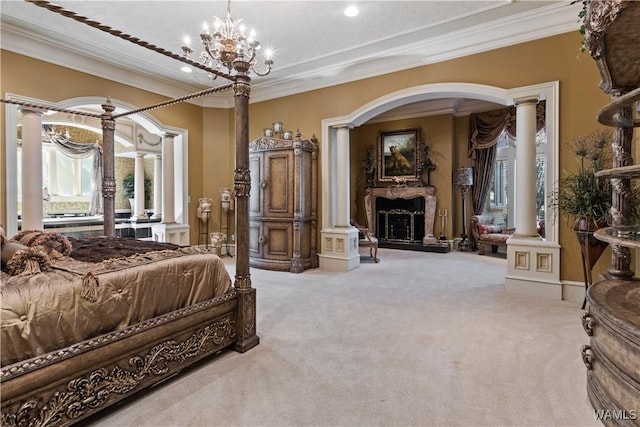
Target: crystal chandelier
229,46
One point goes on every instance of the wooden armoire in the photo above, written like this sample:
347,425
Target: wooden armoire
283,203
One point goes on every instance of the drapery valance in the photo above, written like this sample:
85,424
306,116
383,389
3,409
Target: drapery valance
485,128
80,150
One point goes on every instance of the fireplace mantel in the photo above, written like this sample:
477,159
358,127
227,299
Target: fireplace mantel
427,193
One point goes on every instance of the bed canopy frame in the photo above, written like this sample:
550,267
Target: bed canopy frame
240,83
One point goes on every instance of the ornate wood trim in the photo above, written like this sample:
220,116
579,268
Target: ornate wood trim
85,394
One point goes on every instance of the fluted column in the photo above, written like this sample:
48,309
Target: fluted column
138,189
108,169
343,177
157,186
526,168
168,180
32,203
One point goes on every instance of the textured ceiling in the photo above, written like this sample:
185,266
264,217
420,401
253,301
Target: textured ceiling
315,44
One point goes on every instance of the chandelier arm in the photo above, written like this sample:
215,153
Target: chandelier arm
268,70
69,14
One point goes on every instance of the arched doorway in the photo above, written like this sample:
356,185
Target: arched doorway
335,179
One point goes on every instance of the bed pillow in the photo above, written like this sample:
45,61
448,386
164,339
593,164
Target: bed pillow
9,249
55,245
25,261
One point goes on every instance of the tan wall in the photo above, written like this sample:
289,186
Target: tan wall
218,158
545,60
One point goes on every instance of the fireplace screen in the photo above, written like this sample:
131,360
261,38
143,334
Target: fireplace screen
400,220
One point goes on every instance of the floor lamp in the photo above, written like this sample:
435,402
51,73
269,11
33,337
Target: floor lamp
463,180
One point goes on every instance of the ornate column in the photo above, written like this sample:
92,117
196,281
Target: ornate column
246,320
526,168
169,230
157,186
621,188
338,239
168,196
533,263
108,169
32,203
138,190
343,176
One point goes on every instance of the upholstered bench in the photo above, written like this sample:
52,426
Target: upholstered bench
486,233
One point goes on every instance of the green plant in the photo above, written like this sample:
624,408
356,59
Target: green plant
128,187
581,195
582,15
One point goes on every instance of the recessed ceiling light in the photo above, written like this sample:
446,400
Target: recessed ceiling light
186,69
351,11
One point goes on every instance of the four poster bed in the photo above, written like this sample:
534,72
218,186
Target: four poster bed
81,332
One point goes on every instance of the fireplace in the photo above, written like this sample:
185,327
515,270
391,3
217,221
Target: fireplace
400,220
401,214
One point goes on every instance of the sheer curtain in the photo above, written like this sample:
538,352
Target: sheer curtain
81,150
484,131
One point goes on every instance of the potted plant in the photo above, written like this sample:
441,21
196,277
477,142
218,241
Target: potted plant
581,197
584,199
128,188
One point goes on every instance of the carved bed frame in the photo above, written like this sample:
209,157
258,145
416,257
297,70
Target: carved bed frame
65,386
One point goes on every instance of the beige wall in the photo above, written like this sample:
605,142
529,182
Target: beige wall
211,130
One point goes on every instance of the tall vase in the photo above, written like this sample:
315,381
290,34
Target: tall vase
225,198
590,248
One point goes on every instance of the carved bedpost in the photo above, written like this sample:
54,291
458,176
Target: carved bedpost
108,169
246,324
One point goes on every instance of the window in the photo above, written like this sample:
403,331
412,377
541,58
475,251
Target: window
63,176
499,188
502,189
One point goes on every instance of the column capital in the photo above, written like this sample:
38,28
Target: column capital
169,135
343,126
33,110
525,100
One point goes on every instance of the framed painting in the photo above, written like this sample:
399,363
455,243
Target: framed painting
398,156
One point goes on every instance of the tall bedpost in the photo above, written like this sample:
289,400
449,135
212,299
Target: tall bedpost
108,169
246,322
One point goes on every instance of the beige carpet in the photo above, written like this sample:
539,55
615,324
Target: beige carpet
420,339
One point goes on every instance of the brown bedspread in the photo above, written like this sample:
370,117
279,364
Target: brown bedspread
97,249
52,310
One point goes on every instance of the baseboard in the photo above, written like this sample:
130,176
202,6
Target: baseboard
331,263
573,292
533,288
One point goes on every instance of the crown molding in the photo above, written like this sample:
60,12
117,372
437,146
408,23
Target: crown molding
557,18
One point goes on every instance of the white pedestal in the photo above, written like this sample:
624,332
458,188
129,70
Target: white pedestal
171,233
533,267
339,249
